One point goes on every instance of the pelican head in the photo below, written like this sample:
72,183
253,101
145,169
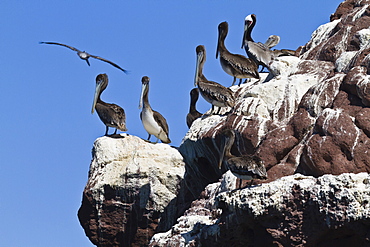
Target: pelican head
101,85
201,57
223,29
272,41
144,89
248,21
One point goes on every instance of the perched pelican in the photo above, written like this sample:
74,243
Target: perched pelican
271,41
245,167
110,114
84,55
154,123
235,65
258,52
211,91
193,113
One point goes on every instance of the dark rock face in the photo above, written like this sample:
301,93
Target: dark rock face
314,119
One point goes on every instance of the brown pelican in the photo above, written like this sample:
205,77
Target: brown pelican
211,91
235,65
154,123
245,167
258,52
272,41
110,114
84,55
193,113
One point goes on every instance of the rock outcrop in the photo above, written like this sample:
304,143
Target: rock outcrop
131,191
312,119
295,210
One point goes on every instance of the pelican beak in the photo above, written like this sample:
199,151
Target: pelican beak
222,154
245,33
96,96
218,44
143,87
199,58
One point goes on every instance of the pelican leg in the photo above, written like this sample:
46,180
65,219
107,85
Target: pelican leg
263,67
149,136
115,132
213,109
106,130
233,81
247,80
240,81
218,111
87,61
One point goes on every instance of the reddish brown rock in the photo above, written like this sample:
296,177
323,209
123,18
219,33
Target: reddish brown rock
349,103
363,120
278,143
352,16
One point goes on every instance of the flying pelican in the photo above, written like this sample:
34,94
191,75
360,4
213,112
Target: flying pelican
154,123
84,55
110,114
235,65
245,167
211,91
193,113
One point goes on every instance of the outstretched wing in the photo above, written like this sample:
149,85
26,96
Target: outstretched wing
54,43
105,60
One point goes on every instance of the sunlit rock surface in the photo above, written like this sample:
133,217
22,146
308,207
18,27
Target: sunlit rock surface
309,125
131,191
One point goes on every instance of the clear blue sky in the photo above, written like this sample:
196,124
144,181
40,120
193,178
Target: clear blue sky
47,129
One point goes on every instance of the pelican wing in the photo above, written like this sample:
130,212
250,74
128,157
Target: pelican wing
260,53
242,65
247,166
107,61
161,121
54,43
214,92
284,52
112,115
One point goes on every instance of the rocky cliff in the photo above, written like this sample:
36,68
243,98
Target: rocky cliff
311,120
